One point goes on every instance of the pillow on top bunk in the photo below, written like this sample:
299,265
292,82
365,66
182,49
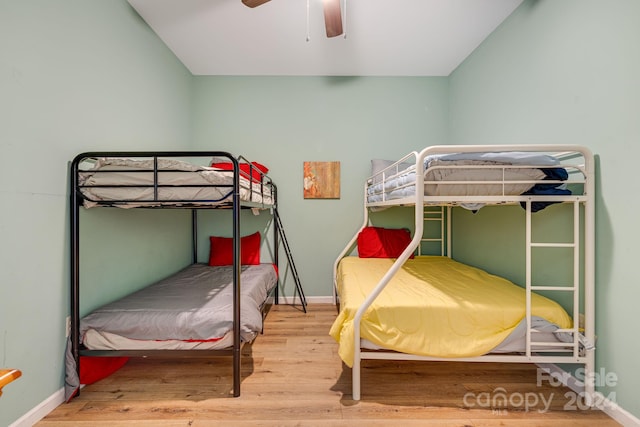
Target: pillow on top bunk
254,169
221,250
378,242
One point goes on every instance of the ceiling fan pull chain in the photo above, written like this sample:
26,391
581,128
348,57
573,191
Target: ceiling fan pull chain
308,36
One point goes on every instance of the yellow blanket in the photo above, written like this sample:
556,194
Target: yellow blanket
433,306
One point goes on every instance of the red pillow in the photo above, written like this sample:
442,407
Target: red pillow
93,369
254,169
221,250
378,242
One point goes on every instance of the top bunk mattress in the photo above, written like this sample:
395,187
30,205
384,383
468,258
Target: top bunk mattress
467,174
433,306
130,183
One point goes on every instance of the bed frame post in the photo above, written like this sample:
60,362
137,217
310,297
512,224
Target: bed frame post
236,277
74,218
449,248
528,273
194,235
589,271
276,243
349,247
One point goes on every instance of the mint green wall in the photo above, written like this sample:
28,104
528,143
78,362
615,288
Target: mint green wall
75,75
80,75
567,72
284,121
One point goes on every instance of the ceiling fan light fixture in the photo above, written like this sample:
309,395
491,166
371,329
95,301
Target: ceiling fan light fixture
332,17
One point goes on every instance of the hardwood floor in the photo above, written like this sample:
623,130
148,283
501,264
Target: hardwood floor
292,376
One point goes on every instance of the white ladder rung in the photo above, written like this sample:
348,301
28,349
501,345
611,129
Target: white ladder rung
553,245
551,344
553,288
572,331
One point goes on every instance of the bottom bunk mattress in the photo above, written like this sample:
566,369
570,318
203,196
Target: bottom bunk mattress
192,309
433,306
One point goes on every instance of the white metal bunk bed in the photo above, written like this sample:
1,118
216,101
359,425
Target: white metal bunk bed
164,180
462,176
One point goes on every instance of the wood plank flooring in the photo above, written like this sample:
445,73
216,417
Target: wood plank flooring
293,376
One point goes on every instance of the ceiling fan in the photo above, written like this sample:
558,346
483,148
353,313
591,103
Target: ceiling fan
332,15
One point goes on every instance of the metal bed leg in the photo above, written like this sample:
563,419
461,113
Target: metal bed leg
355,375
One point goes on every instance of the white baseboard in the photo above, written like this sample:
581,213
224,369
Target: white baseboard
603,403
41,410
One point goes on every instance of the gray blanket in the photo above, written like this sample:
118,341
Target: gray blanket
194,304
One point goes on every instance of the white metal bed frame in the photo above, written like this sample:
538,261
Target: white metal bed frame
581,173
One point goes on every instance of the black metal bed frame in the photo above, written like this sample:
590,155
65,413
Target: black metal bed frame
76,199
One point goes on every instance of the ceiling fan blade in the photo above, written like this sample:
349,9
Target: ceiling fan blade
254,3
332,17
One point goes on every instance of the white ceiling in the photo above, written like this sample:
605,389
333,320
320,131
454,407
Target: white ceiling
383,37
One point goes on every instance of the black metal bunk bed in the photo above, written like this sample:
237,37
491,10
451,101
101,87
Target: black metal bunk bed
228,196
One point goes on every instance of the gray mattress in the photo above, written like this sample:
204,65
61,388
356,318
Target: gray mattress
194,304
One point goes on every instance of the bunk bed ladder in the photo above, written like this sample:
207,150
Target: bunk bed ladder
289,254
573,288
435,214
